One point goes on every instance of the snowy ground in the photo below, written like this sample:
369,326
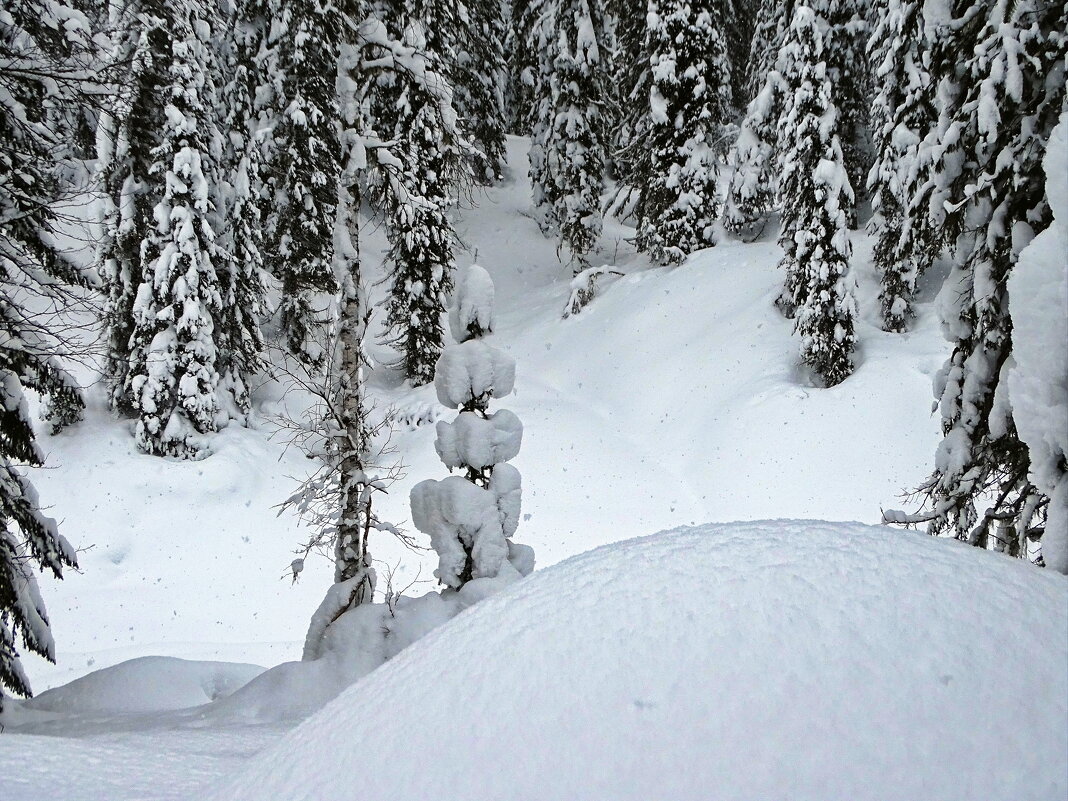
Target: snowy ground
673,399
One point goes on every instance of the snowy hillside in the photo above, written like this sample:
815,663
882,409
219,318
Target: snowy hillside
673,399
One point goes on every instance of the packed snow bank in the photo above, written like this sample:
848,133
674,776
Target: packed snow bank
147,684
1038,382
800,660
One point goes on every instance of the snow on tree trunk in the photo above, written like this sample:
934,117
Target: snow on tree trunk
471,518
815,189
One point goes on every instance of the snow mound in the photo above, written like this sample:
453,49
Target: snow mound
146,684
801,660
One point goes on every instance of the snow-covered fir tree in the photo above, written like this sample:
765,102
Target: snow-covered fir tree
985,178
816,193
242,276
903,113
479,75
631,81
173,378
689,107
35,81
847,69
303,45
126,135
415,198
526,19
771,23
470,518
753,189
569,145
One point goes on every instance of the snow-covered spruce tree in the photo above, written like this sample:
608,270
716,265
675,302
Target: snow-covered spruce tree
771,23
815,191
470,518
848,71
903,112
415,197
689,106
173,381
631,80
994,129
32,274
569,150
242,275
523,64
478,75
127,132
753,188
303,44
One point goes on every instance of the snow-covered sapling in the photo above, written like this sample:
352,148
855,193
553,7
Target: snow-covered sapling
471,517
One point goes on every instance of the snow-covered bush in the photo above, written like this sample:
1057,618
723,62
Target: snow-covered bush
584,288
470,518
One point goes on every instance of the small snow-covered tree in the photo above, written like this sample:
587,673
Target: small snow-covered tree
173,380
689,106
903,113
569,147
470,518
1038,377
770,26
816,191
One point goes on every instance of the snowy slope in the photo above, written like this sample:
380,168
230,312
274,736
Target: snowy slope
672,399
797,660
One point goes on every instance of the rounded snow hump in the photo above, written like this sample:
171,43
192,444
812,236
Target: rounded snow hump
758,660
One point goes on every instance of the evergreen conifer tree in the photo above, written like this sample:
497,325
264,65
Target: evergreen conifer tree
690,104
479,75
995,119
631,80
35,81
569,150
815,192
415,199
173,377
903,114
126,135
303,47
523,63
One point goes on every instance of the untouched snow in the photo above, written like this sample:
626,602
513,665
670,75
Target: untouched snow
799,660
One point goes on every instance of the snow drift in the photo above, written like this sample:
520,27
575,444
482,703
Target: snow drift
801,660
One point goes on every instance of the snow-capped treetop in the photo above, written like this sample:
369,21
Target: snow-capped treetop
471,312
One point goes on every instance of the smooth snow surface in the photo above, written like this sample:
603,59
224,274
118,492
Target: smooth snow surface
766,660
148,684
